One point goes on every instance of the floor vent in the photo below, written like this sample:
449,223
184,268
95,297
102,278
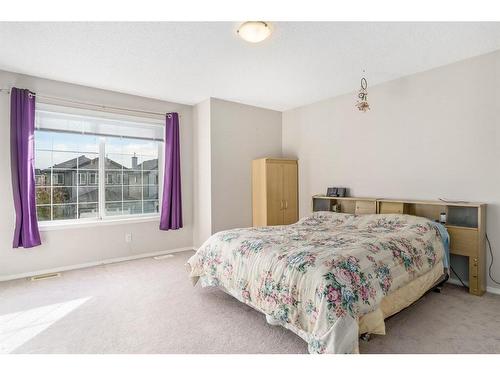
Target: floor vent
159,257
45,276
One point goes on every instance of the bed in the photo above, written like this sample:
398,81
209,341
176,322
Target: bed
331,276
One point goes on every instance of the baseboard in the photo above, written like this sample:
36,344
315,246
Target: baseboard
451,280
92,264
489,289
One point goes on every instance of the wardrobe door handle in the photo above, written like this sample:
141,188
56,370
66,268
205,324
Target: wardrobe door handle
286,205
281,204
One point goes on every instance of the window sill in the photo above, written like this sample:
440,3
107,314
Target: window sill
73,224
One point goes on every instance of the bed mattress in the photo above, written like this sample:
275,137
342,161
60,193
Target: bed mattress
324,278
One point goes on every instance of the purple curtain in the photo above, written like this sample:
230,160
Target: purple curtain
171,205
22,134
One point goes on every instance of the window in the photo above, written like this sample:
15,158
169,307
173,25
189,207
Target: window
93,178
82,178
57,178
68,151
128,165
41,180
114,178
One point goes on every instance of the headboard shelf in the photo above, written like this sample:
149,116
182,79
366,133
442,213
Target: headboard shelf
436,203
348,205
319,196
465,221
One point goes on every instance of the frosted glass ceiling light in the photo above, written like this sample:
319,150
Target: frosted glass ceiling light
254,31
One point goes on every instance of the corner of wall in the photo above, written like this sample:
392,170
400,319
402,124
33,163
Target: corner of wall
202,223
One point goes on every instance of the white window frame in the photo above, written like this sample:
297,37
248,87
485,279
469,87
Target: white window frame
109,177
41,177
102,219
55,177
93,176
84,180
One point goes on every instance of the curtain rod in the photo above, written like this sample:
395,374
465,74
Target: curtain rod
7,91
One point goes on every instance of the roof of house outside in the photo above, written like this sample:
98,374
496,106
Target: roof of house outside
84,162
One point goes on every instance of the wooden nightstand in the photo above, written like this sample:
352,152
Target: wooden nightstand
471,243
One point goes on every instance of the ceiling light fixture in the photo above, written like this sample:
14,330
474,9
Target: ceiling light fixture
254,31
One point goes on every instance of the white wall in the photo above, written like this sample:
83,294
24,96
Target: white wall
430,135
433,134
81,245
202,192
239,134
228,136
218,141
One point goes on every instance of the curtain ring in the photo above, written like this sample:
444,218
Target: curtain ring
169,115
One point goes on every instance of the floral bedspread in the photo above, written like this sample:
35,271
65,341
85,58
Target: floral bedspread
318,276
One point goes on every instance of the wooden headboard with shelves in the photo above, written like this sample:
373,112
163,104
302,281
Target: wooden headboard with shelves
466,225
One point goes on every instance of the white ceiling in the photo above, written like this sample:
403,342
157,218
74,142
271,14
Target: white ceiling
302,62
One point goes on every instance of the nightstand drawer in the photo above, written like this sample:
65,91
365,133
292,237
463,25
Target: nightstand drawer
473,286
473,276
463,241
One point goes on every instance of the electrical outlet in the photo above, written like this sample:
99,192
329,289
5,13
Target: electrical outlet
128,237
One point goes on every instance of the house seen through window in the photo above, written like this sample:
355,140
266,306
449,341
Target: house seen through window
72,181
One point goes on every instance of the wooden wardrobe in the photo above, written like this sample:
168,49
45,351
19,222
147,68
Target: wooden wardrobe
275,191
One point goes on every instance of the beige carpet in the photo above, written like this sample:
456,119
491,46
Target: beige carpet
150,306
